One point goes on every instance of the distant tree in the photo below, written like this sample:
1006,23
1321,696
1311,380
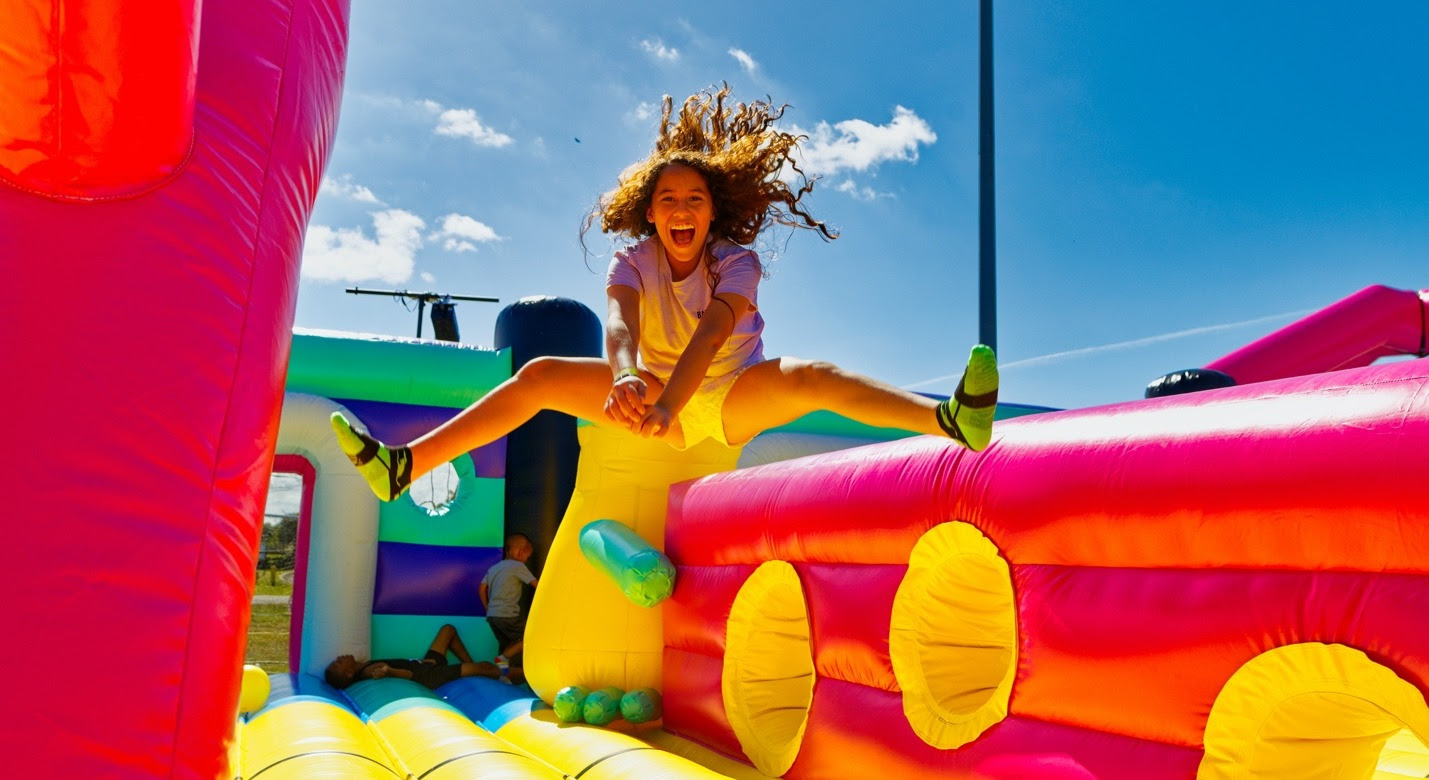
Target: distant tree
280,542
287,532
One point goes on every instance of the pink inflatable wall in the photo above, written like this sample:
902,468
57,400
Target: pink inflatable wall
1152,550
157,170
1375,322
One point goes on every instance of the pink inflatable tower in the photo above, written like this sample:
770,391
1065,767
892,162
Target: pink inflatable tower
158,164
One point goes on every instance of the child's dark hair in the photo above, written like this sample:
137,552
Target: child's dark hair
336,678
740,155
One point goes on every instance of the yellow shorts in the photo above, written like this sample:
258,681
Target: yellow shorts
703,417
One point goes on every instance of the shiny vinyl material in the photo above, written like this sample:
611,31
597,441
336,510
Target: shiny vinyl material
150,413
1199,585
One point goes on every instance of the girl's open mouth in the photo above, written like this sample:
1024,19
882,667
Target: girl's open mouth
682,236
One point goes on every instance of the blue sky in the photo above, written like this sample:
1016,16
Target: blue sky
1174,179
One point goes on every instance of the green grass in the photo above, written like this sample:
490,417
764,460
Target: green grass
264,589
268,637
274,583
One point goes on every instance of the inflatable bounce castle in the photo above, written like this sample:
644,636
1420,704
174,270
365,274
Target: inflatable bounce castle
1226,583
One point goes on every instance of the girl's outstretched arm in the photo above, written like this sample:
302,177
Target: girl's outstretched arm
626,402
713,331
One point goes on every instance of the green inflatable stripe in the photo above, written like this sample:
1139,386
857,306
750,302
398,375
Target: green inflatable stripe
830,424
381,368
826,423
477,518
381,699
407,636
644,574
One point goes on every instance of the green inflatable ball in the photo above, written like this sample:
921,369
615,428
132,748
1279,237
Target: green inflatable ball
602,707
640,705
569,703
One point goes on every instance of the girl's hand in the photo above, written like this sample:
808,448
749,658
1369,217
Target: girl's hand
626,402
655,422
379,671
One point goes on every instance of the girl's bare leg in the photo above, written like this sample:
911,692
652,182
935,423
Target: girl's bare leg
576,386
784,389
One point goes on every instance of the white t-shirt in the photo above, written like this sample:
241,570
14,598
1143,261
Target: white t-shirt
670,310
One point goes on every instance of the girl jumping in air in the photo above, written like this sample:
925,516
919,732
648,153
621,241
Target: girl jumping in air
685,359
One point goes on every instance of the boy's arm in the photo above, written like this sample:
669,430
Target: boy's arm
389,671
379,671
482,591
713,331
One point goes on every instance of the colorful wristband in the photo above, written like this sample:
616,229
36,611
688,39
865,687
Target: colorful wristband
625,372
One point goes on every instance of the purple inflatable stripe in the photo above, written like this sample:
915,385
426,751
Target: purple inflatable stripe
430,579
404,422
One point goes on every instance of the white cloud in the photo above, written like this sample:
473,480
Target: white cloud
462,225
426,277
344,187
745,61
452,122
657,49
464,123
460,233
643,115
285,497
347,255
857,145
857,192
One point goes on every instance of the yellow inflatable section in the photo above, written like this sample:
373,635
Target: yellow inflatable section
1310,710
398,729
582,630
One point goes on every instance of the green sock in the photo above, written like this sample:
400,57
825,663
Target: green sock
967,416
388,470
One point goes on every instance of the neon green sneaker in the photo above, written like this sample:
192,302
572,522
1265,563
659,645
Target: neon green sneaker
967,416
388,470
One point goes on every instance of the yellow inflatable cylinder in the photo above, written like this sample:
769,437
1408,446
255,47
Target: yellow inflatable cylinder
594,753
583,630
306,739
439,743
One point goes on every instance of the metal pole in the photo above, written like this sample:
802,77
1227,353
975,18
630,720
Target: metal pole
422,298
987,221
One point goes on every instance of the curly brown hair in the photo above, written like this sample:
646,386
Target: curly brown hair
740,155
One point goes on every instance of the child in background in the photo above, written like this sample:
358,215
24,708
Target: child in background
432,670
684,352
500,592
